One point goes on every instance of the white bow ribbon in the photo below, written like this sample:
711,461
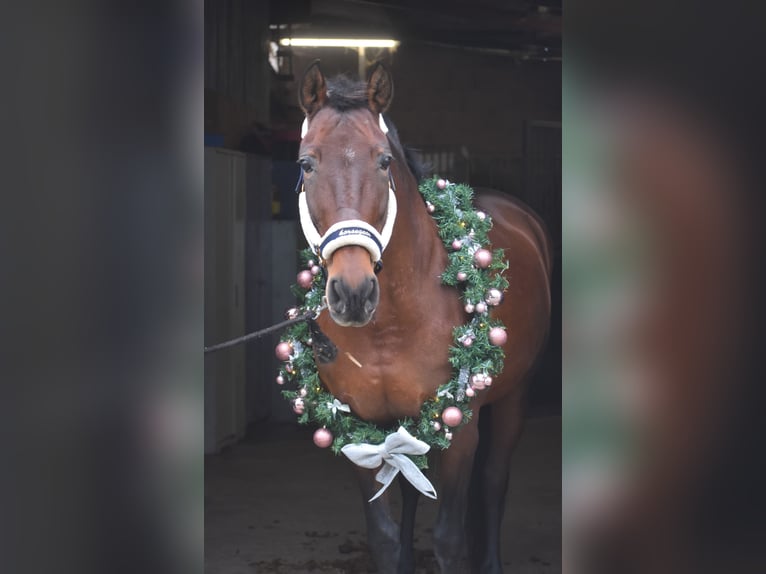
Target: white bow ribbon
393,454
336,406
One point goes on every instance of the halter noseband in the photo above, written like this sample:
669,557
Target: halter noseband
347,231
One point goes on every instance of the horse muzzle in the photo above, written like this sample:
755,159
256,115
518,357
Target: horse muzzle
352,306
353,292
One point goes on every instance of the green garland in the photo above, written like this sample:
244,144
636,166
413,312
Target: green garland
451,206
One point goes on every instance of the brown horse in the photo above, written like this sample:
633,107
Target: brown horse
398,324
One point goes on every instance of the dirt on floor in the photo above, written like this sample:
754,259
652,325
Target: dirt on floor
275,503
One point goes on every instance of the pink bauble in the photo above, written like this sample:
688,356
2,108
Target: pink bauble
494,297
477,381
469,392
437,425
283,351
430,207
469,308
309,341
457,244
322,438
441,184
461,276
298,406
280,380
468,341
497,336
481,307
302,392
481,215
305,278
291,313
482,258
315,269
310,263
452,416
448,435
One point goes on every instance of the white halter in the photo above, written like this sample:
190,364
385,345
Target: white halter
348,231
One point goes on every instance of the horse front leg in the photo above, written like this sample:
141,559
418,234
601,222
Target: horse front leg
382,530
455,476
410,497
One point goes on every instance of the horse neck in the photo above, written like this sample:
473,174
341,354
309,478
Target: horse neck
415,251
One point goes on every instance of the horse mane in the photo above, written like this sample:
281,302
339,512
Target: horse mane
418,168
345,94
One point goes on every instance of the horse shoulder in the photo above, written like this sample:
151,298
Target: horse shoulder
515,222
526,308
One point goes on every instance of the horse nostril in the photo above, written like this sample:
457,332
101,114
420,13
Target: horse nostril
372,296
370,288
335,296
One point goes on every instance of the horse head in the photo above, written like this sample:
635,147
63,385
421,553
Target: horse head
347,205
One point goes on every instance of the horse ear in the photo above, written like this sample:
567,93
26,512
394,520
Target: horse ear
380,88
312,94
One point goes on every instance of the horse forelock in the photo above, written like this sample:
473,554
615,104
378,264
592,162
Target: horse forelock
344,94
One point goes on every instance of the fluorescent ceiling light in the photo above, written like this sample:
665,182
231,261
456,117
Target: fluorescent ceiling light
339,42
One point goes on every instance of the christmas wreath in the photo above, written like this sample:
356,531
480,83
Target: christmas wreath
476,355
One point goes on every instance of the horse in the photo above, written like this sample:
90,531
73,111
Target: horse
395,326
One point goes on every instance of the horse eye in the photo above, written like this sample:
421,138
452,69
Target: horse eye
385,161
305,165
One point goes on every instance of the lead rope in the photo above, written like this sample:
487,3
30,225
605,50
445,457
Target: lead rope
308,316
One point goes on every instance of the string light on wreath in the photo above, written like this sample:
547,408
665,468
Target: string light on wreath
476,354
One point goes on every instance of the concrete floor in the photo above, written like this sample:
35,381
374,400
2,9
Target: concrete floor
275,503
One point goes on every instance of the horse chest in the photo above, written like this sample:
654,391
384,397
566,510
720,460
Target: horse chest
389,376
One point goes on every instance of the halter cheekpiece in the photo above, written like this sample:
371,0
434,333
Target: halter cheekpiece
347,231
